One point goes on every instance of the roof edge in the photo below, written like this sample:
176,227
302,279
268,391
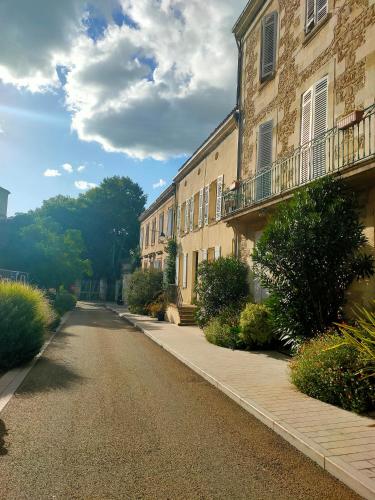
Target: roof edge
164,196
247,16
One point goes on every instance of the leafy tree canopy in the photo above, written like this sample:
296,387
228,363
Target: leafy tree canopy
308,255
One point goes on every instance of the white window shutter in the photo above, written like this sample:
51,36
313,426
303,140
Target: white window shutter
320,126
269,42
217,252
306,133
204,254
178,219
219,196
200,211
186,225
184,270
206,204
321,9
177,269
192,213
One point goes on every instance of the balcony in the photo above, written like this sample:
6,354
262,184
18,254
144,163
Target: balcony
335,151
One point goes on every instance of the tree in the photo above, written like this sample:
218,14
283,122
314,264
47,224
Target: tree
308,255
221,284
170,263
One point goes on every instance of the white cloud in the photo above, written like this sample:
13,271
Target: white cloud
159,184
81,168
68,168
155,91
51,172
83,185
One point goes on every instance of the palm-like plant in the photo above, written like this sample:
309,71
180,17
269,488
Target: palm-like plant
361,336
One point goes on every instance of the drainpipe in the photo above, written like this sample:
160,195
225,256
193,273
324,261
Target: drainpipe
239,122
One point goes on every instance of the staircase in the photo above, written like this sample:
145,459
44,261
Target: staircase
187,315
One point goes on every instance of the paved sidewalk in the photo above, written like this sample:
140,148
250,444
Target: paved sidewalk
339,441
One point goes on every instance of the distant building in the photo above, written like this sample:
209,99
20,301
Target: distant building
4,193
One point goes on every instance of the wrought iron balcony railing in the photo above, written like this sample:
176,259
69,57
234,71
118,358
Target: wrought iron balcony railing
8,275
331,152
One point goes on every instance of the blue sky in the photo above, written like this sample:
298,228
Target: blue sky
119,87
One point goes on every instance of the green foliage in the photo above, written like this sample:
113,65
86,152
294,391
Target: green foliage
157,308
361,336
221,283
308,255
256,330
222,334
24,316
143,288
64,302
170,263
67,238
333,375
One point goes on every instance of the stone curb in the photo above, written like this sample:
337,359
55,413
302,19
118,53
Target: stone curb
11,380
332,464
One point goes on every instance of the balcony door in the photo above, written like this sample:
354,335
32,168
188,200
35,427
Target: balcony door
264,161
313,127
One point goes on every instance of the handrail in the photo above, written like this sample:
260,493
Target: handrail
327,153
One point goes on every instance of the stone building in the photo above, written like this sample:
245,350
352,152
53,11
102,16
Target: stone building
305,109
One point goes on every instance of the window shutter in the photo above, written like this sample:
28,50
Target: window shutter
204,254
178,219
192,213
141,239
170,223
306,132
320,126
310,15
206,204
264,160
321,9
200,212
217,252
177,268
219,196
161,224
269,41
184,270
186,225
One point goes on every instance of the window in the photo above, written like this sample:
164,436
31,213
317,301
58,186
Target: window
177,269
184,270
178,219
141,238
219,196
313,125
206,204
161,224
268,46
200,211
186,219
191,213
264,160
196,211
217,252
170,222
153,232
316,10
147,235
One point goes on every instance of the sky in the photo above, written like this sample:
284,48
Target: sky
109,87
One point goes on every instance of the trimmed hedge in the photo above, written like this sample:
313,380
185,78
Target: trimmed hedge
222,334
64,302
25,314
333,375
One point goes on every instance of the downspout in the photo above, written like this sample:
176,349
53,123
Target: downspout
239,123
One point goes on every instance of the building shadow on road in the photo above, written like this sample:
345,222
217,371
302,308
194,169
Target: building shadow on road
49,375
3,433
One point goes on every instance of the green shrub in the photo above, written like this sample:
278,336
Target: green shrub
361,336
222,334
144,287
221,283
333,375
64,302
24,316
169,277
308,255
255,325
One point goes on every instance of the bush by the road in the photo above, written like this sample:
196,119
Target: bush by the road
255,325
334,374
24,317
64,302
144,287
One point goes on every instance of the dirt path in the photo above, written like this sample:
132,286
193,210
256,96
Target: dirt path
107,414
